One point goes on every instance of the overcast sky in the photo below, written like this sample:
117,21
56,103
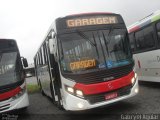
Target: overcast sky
27,21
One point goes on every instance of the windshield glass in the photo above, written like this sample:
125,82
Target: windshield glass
91,50
8,68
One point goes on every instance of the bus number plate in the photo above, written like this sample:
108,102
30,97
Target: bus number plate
111,96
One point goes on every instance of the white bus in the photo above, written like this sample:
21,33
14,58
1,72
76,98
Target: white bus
13,94
85,61
145,44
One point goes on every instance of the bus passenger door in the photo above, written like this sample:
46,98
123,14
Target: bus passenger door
53,68
47,69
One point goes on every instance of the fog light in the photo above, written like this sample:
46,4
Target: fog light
80,105
136,90
69,89
133,80
79,93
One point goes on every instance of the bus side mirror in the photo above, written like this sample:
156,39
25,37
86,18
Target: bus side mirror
25,63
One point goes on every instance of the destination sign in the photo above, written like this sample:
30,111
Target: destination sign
83,64
86,21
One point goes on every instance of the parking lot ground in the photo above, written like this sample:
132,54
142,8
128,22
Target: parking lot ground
147,102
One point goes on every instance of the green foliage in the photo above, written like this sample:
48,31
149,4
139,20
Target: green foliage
32,88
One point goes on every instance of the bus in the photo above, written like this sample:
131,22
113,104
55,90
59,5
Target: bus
13,94
144,38
85,61
30,71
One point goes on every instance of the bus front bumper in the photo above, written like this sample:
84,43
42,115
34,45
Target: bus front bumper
74,103
13,104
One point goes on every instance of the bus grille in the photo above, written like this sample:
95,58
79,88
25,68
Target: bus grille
101,97
99,76
4,107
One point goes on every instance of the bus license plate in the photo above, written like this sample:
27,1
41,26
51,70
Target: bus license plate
111,96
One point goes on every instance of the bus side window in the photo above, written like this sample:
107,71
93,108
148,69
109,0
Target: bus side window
52,43
158,30
45,53
140,41
40,55
43,56
132,41
149,37
145,38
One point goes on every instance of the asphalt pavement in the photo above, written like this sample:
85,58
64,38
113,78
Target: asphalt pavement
144,105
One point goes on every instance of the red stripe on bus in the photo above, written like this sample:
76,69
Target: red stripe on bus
9,94
134,29
105,86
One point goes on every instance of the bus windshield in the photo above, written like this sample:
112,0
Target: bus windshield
8,68
87,51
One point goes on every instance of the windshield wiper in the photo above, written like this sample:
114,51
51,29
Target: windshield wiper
109,39
85,37
127,42
106,43
101,46
95,44
110,30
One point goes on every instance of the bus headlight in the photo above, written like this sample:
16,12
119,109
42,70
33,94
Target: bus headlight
133,80
74,92
70,90
19,94
79,93
135,75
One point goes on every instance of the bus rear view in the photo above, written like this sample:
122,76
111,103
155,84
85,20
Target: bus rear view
93,58
13,94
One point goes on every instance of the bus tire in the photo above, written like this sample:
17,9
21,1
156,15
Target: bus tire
60,106
57,103
52,92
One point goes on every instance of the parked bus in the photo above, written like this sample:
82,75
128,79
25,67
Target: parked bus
85,61
13,94
145,44
30,71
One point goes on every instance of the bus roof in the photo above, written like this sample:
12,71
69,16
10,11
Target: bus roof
2,39
89,13
144,22
8,44
84,14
